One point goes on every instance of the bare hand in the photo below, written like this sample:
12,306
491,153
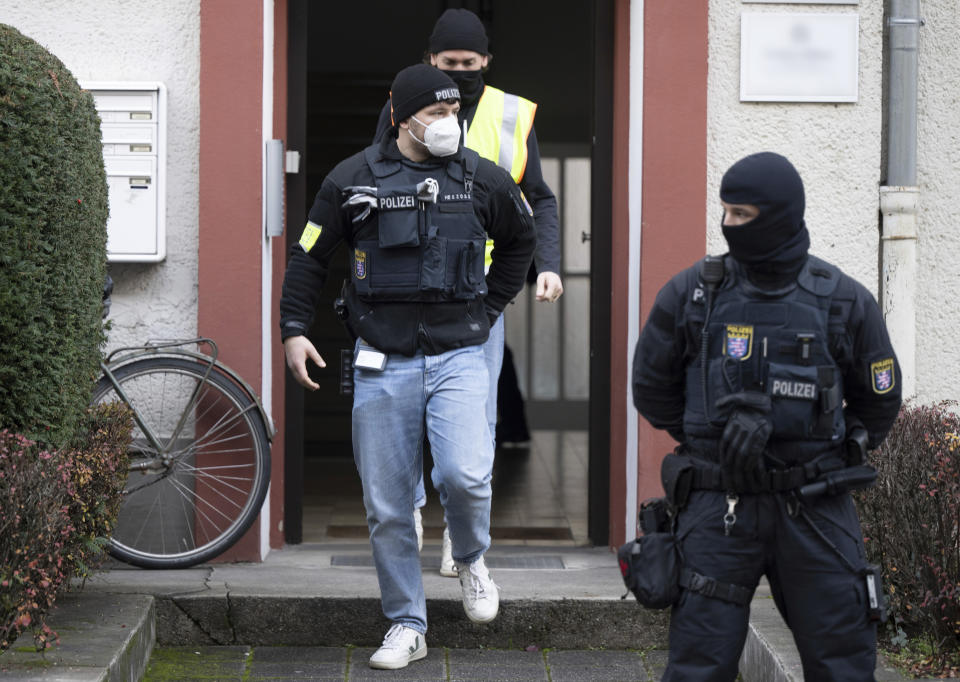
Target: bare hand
297,350
549,287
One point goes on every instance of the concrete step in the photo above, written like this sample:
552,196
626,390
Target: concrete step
327,596
102,637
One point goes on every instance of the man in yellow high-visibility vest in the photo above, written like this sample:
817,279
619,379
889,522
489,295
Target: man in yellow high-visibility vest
499,127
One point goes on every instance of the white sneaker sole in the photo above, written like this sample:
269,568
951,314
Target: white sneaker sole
396,665
447,572
481,621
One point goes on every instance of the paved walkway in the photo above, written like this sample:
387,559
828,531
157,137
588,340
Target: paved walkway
348,663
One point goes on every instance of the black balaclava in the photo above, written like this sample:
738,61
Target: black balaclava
461,29
773,246
470,83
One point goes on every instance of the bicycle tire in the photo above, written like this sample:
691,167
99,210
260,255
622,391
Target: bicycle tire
192,501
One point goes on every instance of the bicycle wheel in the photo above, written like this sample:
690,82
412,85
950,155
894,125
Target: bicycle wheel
193,497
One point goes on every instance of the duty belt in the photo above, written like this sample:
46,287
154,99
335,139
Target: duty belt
709,476
680,473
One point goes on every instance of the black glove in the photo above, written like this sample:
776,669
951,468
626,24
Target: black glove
745,436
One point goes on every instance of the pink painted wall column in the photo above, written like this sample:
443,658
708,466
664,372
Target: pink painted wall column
231,111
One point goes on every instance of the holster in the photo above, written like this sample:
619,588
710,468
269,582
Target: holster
656,515
676,475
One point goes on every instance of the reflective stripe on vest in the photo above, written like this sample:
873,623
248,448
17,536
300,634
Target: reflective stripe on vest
499,132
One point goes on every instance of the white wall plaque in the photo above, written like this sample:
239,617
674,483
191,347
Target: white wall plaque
799,57
804,2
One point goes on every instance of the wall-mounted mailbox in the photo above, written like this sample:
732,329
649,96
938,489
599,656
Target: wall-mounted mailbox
133,124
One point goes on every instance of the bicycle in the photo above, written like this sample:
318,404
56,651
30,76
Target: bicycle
200,455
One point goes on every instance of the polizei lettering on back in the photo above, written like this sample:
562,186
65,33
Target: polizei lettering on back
802,390
391,203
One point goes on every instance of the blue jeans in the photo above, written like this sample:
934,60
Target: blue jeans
493,355
439,395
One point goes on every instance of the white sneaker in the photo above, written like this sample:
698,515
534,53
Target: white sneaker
401,646
481,600
448,568
418,525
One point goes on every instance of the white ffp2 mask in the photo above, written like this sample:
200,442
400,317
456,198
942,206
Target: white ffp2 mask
441,138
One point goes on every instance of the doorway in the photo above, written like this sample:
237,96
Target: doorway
555,489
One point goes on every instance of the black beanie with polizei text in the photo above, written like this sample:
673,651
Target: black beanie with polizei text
419,86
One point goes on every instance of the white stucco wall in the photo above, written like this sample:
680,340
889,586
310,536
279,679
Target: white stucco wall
837,149
938,229
118,40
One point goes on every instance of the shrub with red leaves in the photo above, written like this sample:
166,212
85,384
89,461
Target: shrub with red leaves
911,524
58,510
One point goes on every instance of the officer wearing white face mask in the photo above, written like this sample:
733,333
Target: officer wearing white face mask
441,138
416,210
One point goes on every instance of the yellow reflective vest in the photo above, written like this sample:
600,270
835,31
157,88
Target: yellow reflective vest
499,132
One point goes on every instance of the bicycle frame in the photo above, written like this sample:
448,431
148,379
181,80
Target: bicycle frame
175,348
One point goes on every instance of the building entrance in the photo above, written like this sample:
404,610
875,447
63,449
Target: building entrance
343,57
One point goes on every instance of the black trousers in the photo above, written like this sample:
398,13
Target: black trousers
821,599
512,425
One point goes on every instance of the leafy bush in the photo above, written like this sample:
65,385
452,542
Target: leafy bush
59,510
911,522
53,214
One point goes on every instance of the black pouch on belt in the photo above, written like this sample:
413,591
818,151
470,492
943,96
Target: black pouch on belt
650,566
676,475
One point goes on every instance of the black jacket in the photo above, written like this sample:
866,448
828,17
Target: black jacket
405,327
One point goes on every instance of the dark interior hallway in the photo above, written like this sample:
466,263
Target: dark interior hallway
337,87
539,496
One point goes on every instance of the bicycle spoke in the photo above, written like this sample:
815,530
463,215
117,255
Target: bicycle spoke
205,516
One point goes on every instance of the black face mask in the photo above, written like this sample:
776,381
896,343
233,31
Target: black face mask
777,239
470,84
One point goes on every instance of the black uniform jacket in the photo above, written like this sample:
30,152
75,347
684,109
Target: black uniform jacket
535,189
406,327
668,344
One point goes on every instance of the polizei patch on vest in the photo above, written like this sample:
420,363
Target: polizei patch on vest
396,202
883,376
801,390
359,264
738,343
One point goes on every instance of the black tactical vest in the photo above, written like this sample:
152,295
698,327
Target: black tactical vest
420,251
773,342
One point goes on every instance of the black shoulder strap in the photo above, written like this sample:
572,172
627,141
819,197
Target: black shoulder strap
469,163
819,277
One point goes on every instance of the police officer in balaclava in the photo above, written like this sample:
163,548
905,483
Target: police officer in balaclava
774,371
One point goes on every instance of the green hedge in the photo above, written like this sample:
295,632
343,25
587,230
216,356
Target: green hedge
53,213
